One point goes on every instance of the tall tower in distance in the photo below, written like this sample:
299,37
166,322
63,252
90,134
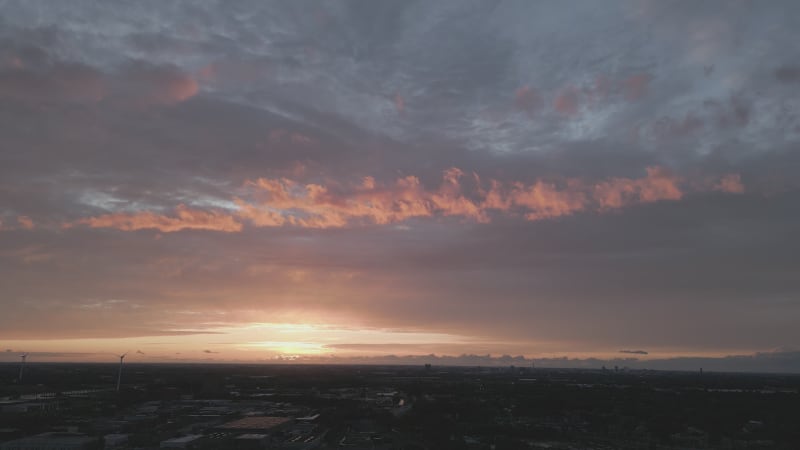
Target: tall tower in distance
119,374
23,358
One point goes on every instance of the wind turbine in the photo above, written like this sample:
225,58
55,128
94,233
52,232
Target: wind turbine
24,357
119,374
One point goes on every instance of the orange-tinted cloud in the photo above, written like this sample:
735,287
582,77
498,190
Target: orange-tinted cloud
184,219
314,206
449,199
149,85
566,102
180,88
284,202
258,216
163,87
731,183
659,184
544,200
25,222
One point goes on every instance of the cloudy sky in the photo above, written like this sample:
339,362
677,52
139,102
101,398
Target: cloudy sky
250,180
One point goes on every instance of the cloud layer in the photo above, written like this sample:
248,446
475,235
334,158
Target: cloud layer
288,203
554,176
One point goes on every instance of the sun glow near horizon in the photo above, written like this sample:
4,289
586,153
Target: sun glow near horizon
296,348
251,341
309,342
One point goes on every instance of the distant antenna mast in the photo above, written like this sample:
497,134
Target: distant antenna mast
24,357
119,374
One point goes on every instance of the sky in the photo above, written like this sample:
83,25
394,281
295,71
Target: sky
339,181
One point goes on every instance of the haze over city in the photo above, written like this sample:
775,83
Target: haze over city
571,183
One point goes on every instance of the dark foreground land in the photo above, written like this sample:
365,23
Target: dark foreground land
302,407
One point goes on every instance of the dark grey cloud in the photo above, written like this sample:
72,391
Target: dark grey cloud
788,74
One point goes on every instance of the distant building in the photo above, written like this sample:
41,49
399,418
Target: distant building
52,441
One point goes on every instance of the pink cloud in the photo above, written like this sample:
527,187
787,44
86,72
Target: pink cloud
30,254
635,86
232,72
316,206
526,99
134,85
208,73
25,222
543,200
659,184
184,219
14,62
64,82
181,88
281,136
259,217
300,139
284,202
731,183
148,85
566,102
399,103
